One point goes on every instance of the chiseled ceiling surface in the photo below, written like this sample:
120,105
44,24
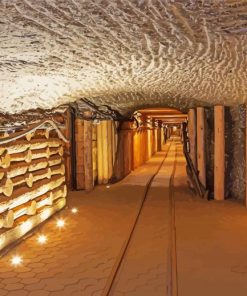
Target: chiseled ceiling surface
125,53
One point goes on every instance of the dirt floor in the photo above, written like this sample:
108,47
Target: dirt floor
211,242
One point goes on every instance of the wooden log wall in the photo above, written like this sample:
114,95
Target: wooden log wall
80,168
118,154
106,150
32,182
146,142
86,154
124,151
95,151
68,149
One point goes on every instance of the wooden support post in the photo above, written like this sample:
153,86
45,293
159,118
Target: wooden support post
68,149
110,161
135,149
99,154
88,153
105,152
201,157
219,152
114,141
155,140
168,133
192,135
80,174
94,147
119,167
159,138
149,142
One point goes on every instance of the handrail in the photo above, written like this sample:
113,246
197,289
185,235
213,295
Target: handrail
33,128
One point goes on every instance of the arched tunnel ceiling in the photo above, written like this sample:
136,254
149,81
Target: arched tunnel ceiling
126,53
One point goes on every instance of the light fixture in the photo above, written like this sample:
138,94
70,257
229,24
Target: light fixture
108,186
60,223
74,210
42,239
16,260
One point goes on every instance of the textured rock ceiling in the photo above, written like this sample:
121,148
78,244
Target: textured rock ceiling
125,53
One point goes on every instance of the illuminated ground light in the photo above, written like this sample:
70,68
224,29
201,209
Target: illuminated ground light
16,260
74,210
60,223
108,186
42,239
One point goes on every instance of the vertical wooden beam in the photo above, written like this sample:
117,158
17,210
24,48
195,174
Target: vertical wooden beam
114,141
105,152
68,165
148,143
155,139
95,161
79,135
99,153
135,149
88,153
159,138
192,135
109,135
219,152
120,167
201,157
168,133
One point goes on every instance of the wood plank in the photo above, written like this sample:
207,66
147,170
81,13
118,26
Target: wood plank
201,157
88,153
219,153
192,135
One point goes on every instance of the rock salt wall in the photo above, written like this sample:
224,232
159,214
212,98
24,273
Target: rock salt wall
235,152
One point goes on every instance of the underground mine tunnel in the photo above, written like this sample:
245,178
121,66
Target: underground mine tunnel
123,148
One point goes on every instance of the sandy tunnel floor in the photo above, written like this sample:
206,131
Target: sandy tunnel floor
79,259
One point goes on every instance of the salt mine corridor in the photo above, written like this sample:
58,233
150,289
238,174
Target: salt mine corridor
123,148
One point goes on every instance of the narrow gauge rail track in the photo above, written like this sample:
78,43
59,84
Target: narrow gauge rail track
172,265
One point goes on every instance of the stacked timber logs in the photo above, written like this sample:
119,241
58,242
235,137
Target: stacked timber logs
32,182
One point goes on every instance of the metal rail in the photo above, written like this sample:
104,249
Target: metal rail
110,282
172,287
